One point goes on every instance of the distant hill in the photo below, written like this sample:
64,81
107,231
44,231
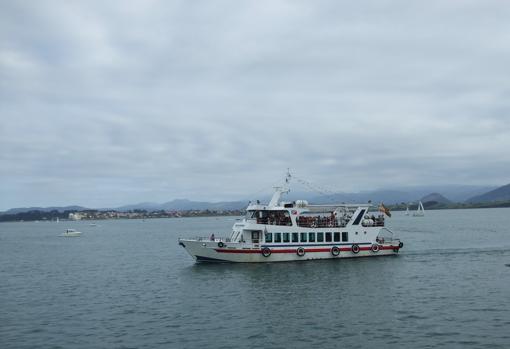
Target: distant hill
436,198
455,193
184,204
44,209
387,196
499,194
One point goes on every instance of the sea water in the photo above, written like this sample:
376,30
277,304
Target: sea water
128,284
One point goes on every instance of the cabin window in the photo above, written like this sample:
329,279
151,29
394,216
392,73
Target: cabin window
345,236
336,236
295,237
277,237
320,237
303,237
269,237
311,237
286,237
328,237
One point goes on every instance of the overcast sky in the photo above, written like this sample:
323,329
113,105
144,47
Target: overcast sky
104,103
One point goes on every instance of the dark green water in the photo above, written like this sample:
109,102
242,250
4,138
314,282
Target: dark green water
127,284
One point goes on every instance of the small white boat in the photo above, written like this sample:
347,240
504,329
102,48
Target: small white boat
407,211
71,233
420,212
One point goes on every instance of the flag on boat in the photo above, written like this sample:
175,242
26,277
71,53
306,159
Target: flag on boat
384,209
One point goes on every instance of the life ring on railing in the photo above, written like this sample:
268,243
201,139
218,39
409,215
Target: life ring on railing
355,248
221,244
401,244
335,251
266,252
375,248
300,251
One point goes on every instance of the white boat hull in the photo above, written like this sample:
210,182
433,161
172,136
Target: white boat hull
71,235
209,251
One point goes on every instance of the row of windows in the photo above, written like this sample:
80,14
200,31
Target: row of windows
307,237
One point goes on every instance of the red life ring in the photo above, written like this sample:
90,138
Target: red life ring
300,251
335,251
355,248
375,248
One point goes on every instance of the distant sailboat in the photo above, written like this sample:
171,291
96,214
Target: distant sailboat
407,210
420,212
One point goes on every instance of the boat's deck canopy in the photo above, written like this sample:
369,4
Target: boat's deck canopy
307,208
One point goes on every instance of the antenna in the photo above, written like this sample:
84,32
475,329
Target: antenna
280,190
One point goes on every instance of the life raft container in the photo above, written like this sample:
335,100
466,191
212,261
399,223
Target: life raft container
335,251
300,251
355,248
266,252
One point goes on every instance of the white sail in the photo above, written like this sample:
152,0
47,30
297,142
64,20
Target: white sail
420,212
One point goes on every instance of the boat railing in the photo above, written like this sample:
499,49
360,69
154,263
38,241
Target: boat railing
320,222
386,238
212,239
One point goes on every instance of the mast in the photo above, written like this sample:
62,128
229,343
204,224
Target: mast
284,189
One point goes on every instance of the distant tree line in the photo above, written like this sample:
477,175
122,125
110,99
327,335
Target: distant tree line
35,216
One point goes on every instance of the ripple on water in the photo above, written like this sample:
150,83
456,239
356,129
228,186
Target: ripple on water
120,287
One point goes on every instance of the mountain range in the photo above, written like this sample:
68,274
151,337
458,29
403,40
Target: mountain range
436,198
498,194
449,194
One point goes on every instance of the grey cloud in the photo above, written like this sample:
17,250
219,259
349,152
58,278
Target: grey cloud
110,103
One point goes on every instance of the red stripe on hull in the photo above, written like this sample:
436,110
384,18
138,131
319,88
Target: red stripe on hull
344,249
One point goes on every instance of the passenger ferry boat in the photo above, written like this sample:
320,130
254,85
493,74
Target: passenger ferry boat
295,231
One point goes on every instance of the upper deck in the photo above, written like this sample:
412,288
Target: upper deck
301,214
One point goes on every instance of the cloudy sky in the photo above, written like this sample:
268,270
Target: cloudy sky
104,103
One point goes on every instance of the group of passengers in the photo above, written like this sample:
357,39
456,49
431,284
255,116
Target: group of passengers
317,221
275,218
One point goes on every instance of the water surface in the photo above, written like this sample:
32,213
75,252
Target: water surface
127,284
